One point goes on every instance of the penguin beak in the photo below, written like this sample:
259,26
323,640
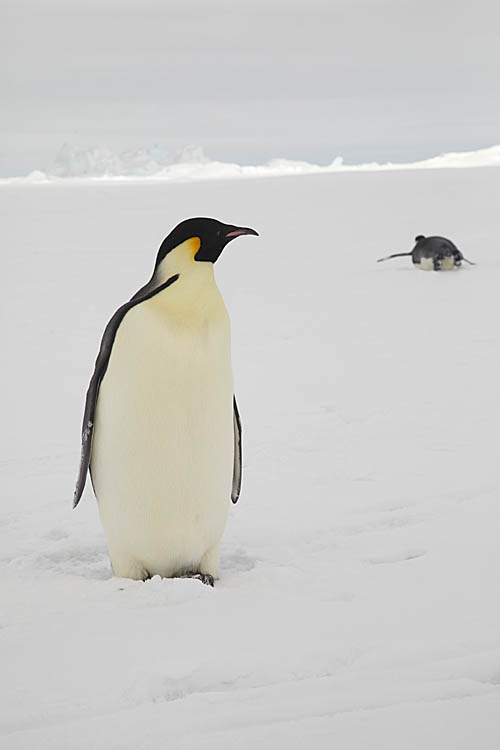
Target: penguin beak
238,231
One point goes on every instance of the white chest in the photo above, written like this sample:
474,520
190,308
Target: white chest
162,453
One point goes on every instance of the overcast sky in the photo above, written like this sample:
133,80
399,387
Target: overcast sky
248,81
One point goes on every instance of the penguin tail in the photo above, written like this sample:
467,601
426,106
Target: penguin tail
395,255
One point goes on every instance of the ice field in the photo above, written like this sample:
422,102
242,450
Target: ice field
357,606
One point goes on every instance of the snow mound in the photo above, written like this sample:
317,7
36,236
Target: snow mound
191,164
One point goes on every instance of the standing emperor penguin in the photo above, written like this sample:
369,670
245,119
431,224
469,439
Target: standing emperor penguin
161,431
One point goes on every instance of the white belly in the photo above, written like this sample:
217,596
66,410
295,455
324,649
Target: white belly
162,453
427,264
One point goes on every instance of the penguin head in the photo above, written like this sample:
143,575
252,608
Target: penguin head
213,236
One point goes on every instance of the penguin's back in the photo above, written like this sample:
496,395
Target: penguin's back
162,452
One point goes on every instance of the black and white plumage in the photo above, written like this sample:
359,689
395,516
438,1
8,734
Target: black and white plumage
161,432
433,254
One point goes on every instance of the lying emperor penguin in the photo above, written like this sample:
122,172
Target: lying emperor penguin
433,254
161,432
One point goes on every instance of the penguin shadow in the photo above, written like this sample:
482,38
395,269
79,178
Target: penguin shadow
66,556
233,561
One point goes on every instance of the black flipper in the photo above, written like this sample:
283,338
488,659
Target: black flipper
236,488
101,365
396,255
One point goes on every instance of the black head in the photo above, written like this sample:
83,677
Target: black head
212,234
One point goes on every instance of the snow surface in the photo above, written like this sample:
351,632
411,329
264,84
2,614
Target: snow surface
191,163
358,600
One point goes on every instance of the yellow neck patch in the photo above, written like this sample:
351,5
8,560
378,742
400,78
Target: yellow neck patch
180,260
193,245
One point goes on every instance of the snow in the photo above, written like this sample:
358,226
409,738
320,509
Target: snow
357,605
191,163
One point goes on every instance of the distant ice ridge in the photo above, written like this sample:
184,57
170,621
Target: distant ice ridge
100,161
191,163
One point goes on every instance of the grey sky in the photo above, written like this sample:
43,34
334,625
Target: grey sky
379,79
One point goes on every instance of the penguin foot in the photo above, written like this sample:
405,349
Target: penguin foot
205,578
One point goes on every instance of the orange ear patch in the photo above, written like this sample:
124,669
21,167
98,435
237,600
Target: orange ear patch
194,245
